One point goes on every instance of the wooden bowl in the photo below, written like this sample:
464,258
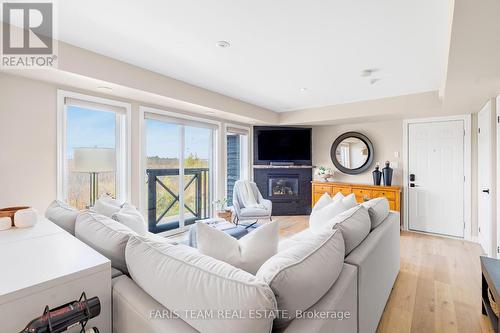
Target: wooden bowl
10,211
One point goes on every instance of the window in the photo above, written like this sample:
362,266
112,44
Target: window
179,165
92,140
236,158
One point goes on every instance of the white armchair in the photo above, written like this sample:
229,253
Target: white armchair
251,213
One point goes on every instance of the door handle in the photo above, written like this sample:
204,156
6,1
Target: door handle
487,191
413,185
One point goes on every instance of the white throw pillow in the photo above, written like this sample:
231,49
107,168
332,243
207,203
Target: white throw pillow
106,206
319,217
355,226
184,280
63,215
378,209
247,253
132,218
302,273
323,201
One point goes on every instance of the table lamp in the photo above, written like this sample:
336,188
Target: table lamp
94,161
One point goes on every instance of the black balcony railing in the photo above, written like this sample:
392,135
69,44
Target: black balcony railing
163,197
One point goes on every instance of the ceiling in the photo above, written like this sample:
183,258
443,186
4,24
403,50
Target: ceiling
277,47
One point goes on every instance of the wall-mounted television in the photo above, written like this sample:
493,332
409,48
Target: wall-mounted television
282,144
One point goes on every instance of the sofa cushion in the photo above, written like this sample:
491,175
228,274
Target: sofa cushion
104,235
248,253
302,273
378,209
132,218
355,226
184,280
254,212
320,216
63,215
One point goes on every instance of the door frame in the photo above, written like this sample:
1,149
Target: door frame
467,204
179,115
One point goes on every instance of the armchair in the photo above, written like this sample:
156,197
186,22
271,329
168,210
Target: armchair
241,212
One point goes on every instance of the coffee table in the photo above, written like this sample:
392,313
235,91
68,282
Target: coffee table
236,231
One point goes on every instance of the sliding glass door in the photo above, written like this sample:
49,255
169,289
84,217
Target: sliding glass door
179,167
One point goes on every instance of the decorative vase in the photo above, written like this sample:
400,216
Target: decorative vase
377,175
387,172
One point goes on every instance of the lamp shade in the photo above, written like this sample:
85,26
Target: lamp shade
95,159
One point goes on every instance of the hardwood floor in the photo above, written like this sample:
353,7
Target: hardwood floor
438,288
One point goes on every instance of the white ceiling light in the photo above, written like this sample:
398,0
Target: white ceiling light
223,44
303,89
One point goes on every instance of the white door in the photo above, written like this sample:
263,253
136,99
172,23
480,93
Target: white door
484,149
436,177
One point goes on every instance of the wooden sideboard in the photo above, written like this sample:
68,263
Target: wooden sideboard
361,191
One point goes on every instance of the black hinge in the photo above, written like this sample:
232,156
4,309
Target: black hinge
498,119
479,130
498,249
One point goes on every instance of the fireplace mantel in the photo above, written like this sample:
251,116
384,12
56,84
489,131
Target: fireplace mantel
257,166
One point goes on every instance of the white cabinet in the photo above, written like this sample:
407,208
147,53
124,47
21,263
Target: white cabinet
45,265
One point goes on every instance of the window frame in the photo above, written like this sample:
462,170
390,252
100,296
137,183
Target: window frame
123,143
245,165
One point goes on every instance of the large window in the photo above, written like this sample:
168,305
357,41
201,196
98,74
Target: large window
92,149
236,158
179,165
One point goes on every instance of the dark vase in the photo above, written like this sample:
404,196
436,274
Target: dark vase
387,172
377,176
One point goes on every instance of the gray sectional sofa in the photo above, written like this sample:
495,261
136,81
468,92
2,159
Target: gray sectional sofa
339,282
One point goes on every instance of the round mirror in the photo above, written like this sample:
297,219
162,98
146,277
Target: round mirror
352,153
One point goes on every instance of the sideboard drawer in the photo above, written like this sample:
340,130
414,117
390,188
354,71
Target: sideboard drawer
362,194
343,190
380,193
321,189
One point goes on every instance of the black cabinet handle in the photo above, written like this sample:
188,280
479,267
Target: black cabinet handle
486,191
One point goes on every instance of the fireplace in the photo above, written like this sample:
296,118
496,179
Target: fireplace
284,187
289,188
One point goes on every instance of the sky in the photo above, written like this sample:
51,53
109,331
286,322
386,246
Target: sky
92,128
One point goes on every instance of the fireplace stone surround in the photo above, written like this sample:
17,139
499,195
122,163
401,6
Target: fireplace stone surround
288,187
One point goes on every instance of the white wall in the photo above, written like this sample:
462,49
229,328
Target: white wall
386,137
28,142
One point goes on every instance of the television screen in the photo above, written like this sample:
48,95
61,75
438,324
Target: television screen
284,144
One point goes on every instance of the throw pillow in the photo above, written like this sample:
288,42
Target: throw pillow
132,218
355,226
247,253
338,204
378,209
106,206
323,201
